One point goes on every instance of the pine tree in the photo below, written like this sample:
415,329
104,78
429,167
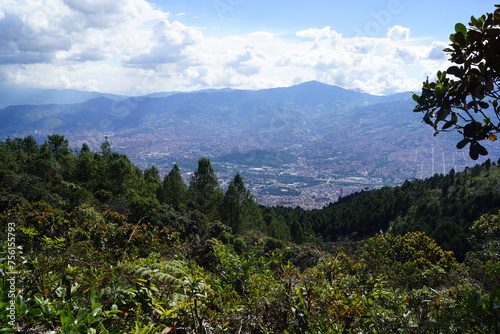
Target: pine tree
173,189
58,145
204,189
30,145
86,166
239,210
153,181
231,209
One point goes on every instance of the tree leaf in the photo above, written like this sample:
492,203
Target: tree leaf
497,14
471,129
461,144
483,104
454,70
459,27
448,125
460,38
481,149
475,22
474,155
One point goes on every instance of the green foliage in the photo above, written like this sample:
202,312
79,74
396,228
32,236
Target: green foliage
101,248
464,98
173,190
412,260
484,259
204,189
239,210
443,206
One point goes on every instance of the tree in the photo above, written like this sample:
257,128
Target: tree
58,145
464,98
30,145
153,180
173,189
239,207
86,167
204,188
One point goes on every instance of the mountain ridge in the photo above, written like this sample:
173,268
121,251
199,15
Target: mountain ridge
220,105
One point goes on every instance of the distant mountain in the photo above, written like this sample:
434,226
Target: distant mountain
167,94
307,103
18,95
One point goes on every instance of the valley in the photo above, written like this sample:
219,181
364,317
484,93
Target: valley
305,145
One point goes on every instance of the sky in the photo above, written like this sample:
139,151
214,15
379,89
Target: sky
137,47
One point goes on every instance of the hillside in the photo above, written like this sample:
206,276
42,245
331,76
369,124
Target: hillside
234,107
442,206
104,246
344,140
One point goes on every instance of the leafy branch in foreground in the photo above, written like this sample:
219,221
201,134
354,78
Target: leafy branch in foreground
464,98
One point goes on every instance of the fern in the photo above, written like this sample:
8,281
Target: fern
170,272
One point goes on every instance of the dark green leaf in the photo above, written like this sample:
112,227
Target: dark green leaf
497,14
454,70
35,312
461,144
474,155
483,104
415,97
475,22
481,149
470,130
448,125
460,28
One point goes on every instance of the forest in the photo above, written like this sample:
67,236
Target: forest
93,244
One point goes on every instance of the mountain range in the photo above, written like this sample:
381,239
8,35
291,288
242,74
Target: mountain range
305,101
342,138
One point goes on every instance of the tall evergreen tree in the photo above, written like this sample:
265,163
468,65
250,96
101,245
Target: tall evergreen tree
204,189
275,226
173,189
239,210
153,181
58,145
30,145
86,166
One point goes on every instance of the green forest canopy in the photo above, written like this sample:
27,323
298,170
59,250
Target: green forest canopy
102,245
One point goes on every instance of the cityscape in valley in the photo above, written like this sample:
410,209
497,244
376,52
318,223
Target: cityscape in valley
305,145
317,176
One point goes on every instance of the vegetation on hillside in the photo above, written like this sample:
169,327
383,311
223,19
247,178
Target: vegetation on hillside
93,244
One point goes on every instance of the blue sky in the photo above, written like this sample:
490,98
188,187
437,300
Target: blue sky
426,18
136,47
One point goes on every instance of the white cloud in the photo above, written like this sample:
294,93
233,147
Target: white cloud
398,33
42,31
168,44
406,55
131,47
436,51
325,33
